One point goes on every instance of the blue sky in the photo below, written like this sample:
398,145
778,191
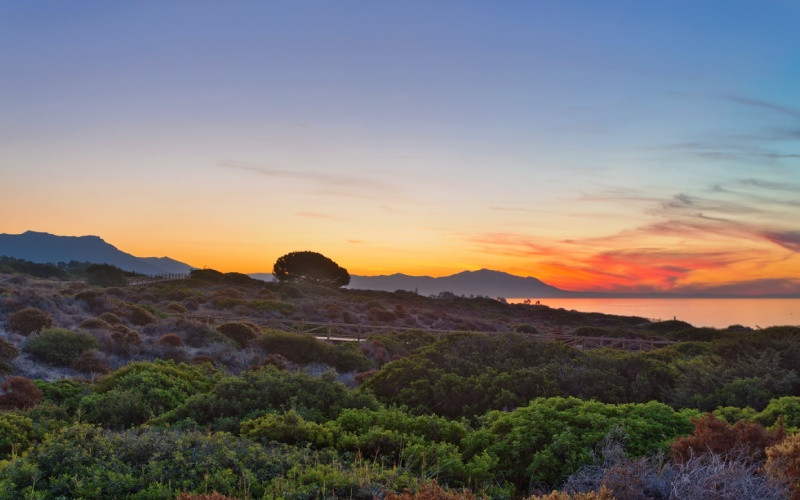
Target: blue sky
624,145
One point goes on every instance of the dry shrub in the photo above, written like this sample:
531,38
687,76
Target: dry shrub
191,304
783,463
432,491
18,393
380,314
266,294
175,354
171,340
7,350
140,316
278,361
375,351
29,320
90,361
95,301
713,435
203,496
94,324
361,377
177,307
241,333
602,494
715,476
125,340
110,318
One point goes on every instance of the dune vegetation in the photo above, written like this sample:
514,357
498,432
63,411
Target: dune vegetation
202,388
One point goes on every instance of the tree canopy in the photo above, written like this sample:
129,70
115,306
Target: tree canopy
310,267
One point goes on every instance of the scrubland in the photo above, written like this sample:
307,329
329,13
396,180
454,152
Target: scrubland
178,389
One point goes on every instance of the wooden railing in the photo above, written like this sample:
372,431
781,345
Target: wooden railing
352,332
158,278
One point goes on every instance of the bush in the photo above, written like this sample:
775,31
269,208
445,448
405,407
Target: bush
19,392
106,275
310,267
16,434
94,324
58,346
297,347
171,340
90,361
7,350
140,316
29,320
177,307
125,340
712,435
110,318
783,463
241,333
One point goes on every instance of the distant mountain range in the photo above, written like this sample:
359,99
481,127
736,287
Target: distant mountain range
484,282
49,248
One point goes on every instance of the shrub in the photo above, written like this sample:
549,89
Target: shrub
278,361
140,316
310,267
95,300
783,463
241,333
362,376
94,324
90,361
105,275
380,314
526,329
29,320
7,350
19,392
346,357
201,359
16,434
297,347
203,496
110,318
712,435
177,307
273,305
58,346
171,340
288,428
290,292
125,340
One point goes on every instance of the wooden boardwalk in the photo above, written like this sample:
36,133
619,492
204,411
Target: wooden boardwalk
351,332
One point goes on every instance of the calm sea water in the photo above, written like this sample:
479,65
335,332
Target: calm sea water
718,313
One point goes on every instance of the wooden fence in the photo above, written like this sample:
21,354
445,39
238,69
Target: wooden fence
351,332
158,278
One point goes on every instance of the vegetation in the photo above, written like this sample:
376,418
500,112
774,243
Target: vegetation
310,267
181,390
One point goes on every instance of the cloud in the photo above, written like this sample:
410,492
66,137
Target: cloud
789,240
330,180
748,288
757,103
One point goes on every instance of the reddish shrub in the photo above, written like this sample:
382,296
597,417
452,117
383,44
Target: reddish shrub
171,340
379,314
8,350
110,318
361,377
94,324
241,333
432,491
278,361
783,463
714,435
177,307
19,392
140,316
29,320
375,351
90,361
125,340
95,301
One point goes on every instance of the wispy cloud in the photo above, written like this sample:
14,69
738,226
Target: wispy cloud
326,179
758,103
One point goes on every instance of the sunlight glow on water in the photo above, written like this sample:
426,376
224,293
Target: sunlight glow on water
718,313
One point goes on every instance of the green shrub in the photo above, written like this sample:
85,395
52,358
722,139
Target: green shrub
177,307
58,346
16,434
29,320
297,347
289,428
347,357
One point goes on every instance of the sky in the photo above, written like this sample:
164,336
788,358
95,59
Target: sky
617,145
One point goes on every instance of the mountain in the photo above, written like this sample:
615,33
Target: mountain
46,247
484,282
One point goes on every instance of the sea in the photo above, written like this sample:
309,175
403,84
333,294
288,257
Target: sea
717,313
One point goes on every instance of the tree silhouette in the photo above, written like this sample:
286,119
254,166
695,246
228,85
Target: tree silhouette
310,267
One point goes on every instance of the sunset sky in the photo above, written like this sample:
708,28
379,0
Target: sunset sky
627,146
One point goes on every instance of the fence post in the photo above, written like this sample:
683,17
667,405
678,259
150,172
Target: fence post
329,330
358,337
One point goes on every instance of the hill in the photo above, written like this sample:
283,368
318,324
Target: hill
45,247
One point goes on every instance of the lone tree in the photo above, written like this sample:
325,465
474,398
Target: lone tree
310,267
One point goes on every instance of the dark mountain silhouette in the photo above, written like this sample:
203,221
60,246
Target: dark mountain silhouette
50,248
484,282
